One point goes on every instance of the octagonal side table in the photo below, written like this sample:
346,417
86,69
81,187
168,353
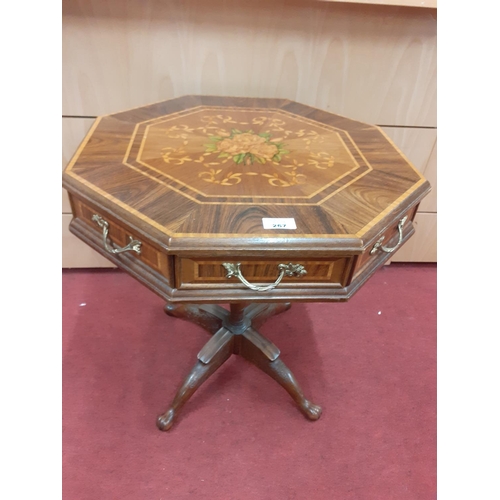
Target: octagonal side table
258,203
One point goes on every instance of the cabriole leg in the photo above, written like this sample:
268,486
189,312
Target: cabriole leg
215,352
265,355
209,317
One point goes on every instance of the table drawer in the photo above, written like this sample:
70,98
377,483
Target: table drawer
119,237
210,272
390,238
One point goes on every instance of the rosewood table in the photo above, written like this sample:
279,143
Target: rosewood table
253,202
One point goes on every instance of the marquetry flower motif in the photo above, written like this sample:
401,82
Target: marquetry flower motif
246,147
321,160
292,178
212,175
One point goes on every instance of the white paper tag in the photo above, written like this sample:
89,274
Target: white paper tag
278,223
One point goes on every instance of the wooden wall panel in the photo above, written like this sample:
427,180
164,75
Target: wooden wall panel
75,253
419,146
429,204
73,132
422,247
369,62
428,4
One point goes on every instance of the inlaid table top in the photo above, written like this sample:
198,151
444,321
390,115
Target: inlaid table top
255,202
213,167
244,178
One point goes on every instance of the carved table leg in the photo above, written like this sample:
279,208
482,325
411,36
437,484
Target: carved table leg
213,355
234,333
209,317
265,355
260,313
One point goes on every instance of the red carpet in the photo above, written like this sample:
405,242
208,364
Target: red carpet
371,364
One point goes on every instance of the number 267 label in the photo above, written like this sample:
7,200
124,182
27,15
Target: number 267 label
269,223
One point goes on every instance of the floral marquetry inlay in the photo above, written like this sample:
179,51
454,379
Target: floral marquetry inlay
247,147
207,151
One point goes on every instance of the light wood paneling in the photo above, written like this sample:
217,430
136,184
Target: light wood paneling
369,62
75,253
429,203
422,247
73,132
429,4
419,146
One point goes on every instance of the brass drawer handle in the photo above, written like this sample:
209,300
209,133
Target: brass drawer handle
285,270
379,245
134,245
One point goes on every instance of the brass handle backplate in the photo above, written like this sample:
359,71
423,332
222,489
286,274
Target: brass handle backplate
284,269
378,245
133,246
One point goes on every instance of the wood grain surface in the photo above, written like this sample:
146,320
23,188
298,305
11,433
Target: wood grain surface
429,203
316,291
73,133
417,144
376,63
426,4
338,178
369,62
189,180
203,273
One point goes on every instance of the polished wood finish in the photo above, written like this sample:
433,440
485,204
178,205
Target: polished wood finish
331,161
180,188
222,346
423,246
192,178
363,261
209,317
158,284
373,63
418,145
235,334
151,255
200,273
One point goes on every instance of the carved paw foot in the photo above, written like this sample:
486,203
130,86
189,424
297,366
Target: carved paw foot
165,421
311,411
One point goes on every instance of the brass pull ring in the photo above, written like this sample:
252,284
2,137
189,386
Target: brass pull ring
378,245
284,269
134,245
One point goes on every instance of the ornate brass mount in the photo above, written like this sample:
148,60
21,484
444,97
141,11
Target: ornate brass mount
133,245
284,269
378,245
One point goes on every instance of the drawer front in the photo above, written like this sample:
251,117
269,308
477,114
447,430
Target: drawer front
118,236
390,239
210,272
